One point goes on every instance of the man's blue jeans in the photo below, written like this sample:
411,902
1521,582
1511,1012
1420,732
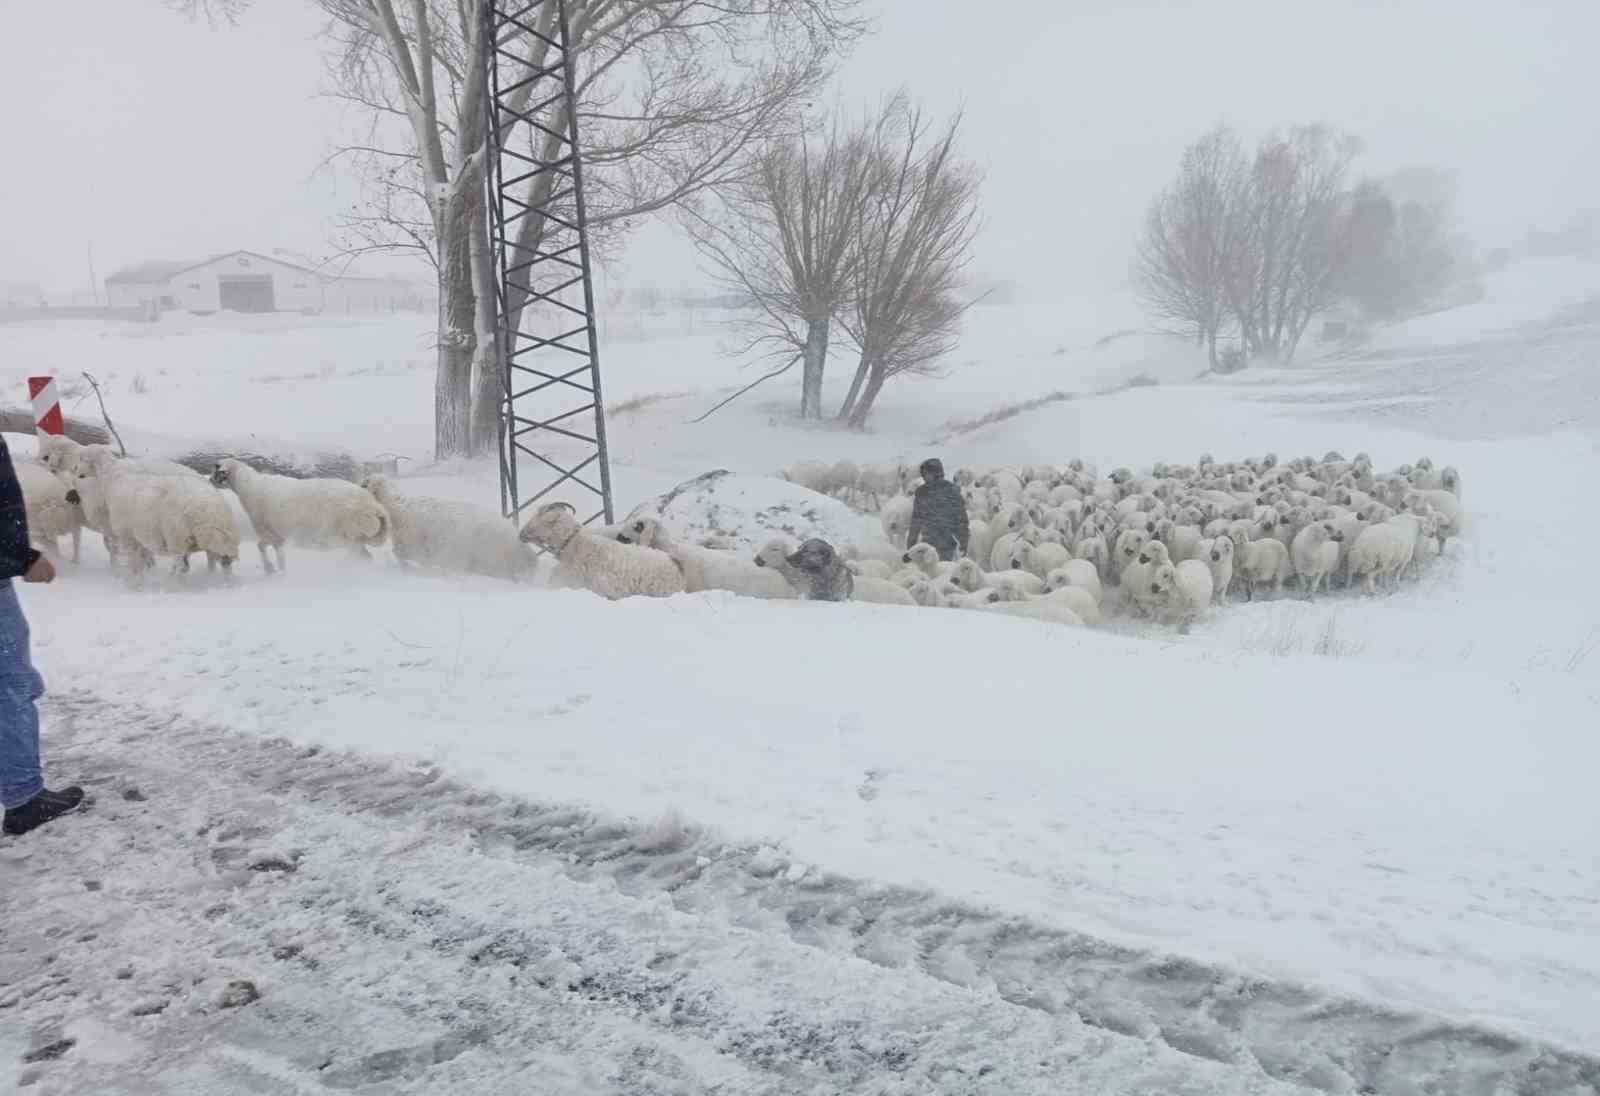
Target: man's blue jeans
20,686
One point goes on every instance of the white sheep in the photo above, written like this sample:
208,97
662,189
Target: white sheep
310,513
1315,553
1217,555
101,456
1259,562
1183,592
970,578
1079,573
450,535
980,539
1077,599
962,599
880,592
51,515
599,563
1130,542
895,517
1445,504
925,558
708,568
166,516
871,568
1039,559
1385,549
1137,591
56,452
1052,612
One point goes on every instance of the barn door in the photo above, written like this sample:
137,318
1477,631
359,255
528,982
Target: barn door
245,293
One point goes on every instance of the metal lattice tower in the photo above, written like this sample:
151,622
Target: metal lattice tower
544,296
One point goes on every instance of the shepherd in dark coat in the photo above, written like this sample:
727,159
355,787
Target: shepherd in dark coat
938,513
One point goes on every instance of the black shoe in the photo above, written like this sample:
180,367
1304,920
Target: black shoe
44,807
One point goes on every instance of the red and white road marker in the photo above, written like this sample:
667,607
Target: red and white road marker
46,405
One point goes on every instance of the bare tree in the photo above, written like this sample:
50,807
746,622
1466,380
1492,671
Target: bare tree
1400,254
785,241
1258,243
1191,240
673,98
1293,244
913,242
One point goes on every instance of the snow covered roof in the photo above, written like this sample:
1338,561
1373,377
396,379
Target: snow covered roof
150,273
164,271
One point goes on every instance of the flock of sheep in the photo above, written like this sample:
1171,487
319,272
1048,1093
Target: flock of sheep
1169,542
146,508
1061,544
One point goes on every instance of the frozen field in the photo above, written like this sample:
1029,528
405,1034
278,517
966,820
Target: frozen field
766,847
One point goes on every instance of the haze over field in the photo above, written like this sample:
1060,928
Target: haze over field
174,139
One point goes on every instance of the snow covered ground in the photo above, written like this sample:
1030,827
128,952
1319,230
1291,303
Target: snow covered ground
1342,846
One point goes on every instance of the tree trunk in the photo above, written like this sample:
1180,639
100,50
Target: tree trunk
869,395
489,372
1211,348
816,358
850,398
452,390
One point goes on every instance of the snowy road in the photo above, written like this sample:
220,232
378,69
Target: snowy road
407,934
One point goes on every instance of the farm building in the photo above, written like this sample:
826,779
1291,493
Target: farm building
245,281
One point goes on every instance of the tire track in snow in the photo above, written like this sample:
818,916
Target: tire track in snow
1043,988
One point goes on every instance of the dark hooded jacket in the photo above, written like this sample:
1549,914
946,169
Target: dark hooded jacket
939,516
17,553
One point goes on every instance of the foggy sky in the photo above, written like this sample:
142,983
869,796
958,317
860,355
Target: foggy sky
135,132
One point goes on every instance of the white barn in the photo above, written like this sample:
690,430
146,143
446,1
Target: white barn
246,281
243,281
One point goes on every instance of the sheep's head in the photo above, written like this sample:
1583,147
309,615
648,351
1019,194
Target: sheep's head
1155,552
553,526
968,575
639,531
1221,549
1131,543
222,474
1163,580
773,554
376,485
921,555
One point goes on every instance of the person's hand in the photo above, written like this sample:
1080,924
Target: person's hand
41,571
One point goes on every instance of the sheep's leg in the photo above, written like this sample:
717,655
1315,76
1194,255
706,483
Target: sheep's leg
211,562
283,560
266,560
77,544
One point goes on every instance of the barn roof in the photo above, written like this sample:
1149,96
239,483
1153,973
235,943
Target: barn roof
149,273
164,271
252,254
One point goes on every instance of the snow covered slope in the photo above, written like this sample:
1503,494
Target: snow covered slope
1378,811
